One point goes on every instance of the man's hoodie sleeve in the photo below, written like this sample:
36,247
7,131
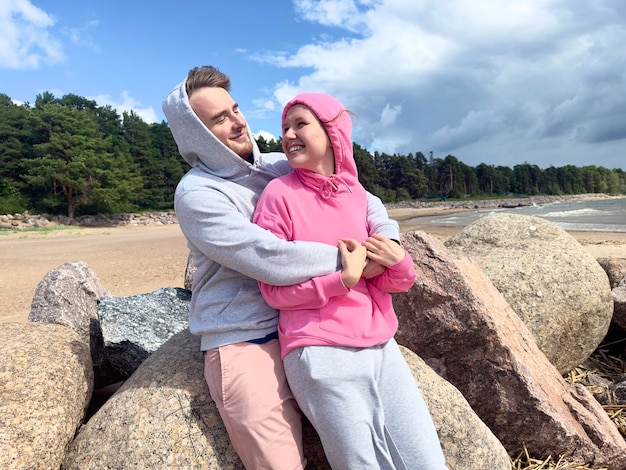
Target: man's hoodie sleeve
378,220
226,236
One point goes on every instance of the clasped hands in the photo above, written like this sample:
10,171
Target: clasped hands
367,259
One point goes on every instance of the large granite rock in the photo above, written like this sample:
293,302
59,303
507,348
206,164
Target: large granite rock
163,417
466,441
619,302
68,295
135,326
46,381
615,269
121,331
461,325
556,287
189,270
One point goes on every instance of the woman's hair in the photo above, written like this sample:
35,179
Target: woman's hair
206,76
351,113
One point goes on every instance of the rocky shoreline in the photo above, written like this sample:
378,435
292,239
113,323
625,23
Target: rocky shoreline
488,351
27,220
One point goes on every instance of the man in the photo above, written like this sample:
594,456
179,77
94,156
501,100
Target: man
214,204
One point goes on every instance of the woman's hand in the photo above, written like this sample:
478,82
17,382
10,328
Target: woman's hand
383,250
372,269
353,257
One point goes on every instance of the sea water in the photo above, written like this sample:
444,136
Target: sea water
594,215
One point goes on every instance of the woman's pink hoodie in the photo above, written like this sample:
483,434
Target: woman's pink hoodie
304,205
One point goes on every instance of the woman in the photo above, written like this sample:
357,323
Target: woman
336,331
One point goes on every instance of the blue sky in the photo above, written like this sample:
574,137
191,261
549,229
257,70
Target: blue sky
488,81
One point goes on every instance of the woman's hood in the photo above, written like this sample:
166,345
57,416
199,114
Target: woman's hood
338,124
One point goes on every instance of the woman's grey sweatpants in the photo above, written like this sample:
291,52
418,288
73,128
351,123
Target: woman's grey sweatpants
366,407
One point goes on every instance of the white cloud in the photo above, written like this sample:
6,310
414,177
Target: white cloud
285,91
389,115
25,38
467,77
262,107
127,103
344,13
82,35
266,135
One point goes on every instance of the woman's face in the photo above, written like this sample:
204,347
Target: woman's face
306,143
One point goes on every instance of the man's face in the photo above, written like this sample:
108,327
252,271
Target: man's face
220,114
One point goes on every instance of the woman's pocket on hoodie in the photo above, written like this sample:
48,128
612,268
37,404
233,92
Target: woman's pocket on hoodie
348,321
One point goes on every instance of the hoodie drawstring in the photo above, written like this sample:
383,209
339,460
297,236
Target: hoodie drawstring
330,186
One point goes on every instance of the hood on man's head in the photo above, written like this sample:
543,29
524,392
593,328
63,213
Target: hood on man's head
335,119
197,144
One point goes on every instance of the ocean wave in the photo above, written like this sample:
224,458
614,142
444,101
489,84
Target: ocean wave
587,212
602,215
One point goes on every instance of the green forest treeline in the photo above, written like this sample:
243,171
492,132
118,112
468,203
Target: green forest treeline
70,156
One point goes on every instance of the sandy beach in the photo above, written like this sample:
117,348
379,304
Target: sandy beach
130,260
127,260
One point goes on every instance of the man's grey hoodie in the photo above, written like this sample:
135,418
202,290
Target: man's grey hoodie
214,204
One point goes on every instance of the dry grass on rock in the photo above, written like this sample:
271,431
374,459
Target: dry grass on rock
607,366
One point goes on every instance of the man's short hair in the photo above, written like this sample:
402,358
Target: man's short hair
206,76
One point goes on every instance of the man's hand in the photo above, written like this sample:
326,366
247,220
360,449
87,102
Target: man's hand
372,269
383,250
353,256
